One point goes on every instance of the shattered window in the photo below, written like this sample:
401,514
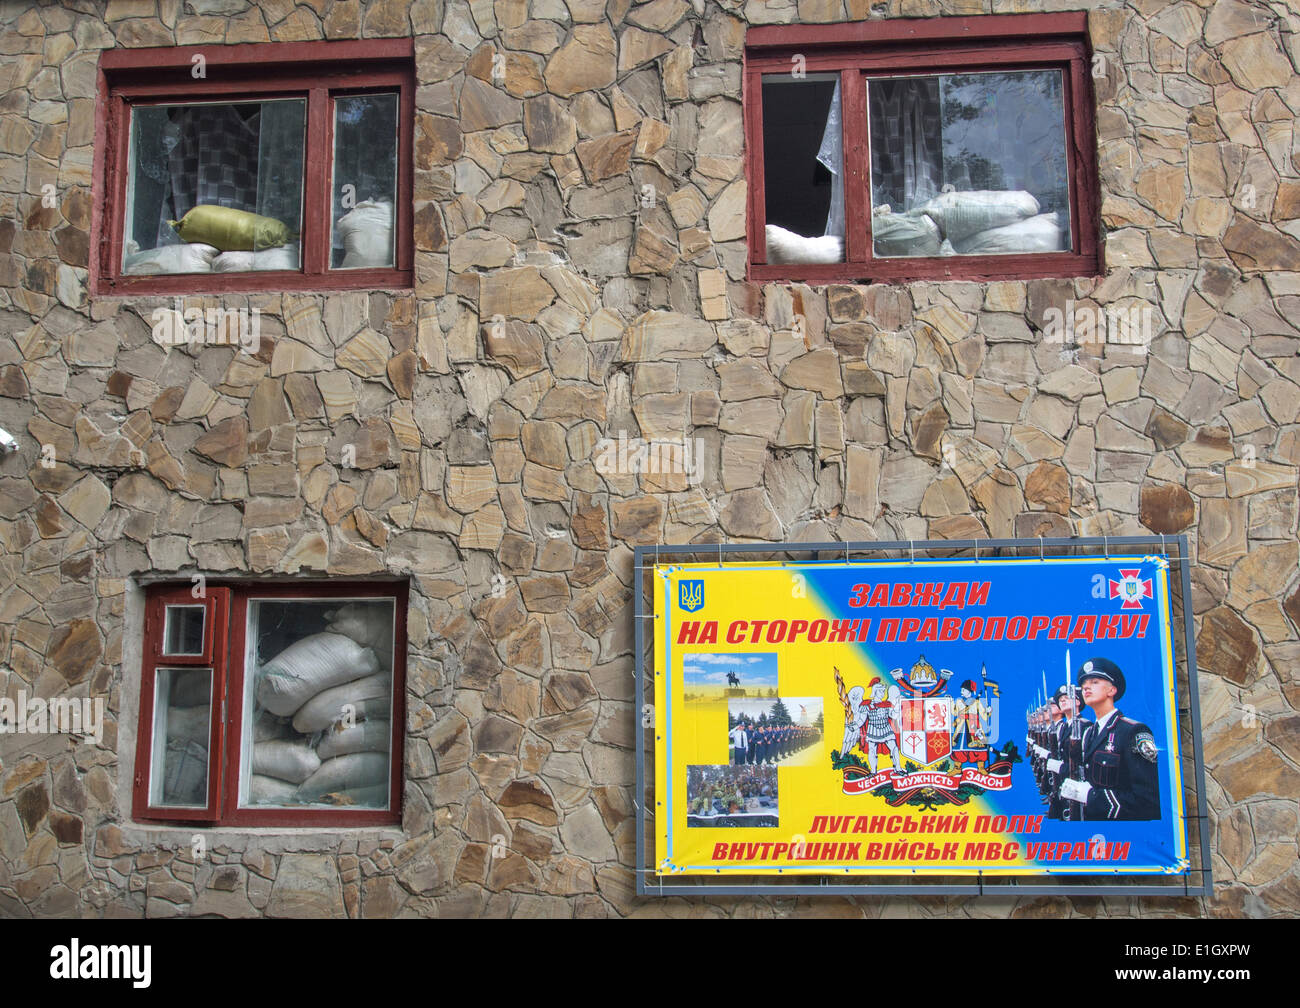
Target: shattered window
885,150
803,168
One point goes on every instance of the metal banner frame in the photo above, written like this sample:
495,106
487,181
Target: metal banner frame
1196,882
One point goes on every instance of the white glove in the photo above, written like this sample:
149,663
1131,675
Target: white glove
1054,766
1076,790
1040,751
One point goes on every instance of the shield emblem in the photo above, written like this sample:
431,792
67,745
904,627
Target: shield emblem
692,595
926,729
1131,589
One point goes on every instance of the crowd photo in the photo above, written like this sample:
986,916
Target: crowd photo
766,733
731,796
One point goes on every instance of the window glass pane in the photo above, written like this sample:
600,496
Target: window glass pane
365,181
803,168
318,703
183,631
968,164
214,187
182,727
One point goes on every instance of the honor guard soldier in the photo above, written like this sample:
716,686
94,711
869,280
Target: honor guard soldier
1047,750
1121,780
1066,702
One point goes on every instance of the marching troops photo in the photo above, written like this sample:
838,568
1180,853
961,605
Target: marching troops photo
1090,761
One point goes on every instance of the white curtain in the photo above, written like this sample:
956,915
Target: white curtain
831,154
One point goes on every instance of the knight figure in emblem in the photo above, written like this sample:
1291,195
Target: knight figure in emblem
970,719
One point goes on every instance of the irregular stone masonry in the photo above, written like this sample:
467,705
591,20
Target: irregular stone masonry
922,410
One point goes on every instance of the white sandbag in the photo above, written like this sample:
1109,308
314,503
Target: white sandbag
305,668
267,726
368,624
193,257
1037,234
285,257
962,214
285,759
366,232
909,234
364,736
345,773
270,791
787,247
327,706
188,724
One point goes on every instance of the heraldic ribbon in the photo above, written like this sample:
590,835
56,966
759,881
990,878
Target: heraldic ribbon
858,781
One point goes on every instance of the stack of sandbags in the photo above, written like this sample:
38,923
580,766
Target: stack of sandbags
323,733
306,668
192,257
1040,233
283,258
963,214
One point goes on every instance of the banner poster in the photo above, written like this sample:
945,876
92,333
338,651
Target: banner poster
932,717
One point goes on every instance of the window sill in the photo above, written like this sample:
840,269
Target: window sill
969,268
248,283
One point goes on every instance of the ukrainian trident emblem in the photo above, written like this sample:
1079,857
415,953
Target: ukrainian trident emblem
692,595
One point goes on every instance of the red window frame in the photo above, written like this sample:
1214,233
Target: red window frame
316,71
934,45
224,651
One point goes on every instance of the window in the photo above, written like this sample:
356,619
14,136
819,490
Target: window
945,148
254,167
279,705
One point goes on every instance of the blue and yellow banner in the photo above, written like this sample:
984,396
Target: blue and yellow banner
931,717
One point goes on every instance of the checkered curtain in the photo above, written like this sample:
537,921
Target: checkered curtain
214,161
217,158
906,137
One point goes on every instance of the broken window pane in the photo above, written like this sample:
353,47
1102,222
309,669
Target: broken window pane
365,181
968,164
318,703
803,168
214,188
182,728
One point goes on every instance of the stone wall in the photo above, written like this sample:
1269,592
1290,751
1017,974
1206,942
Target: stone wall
924,410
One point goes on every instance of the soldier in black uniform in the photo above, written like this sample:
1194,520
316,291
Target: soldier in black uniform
1066,702
1045,749
1119,754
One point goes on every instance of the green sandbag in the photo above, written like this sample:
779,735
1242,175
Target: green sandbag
231,230
910,234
